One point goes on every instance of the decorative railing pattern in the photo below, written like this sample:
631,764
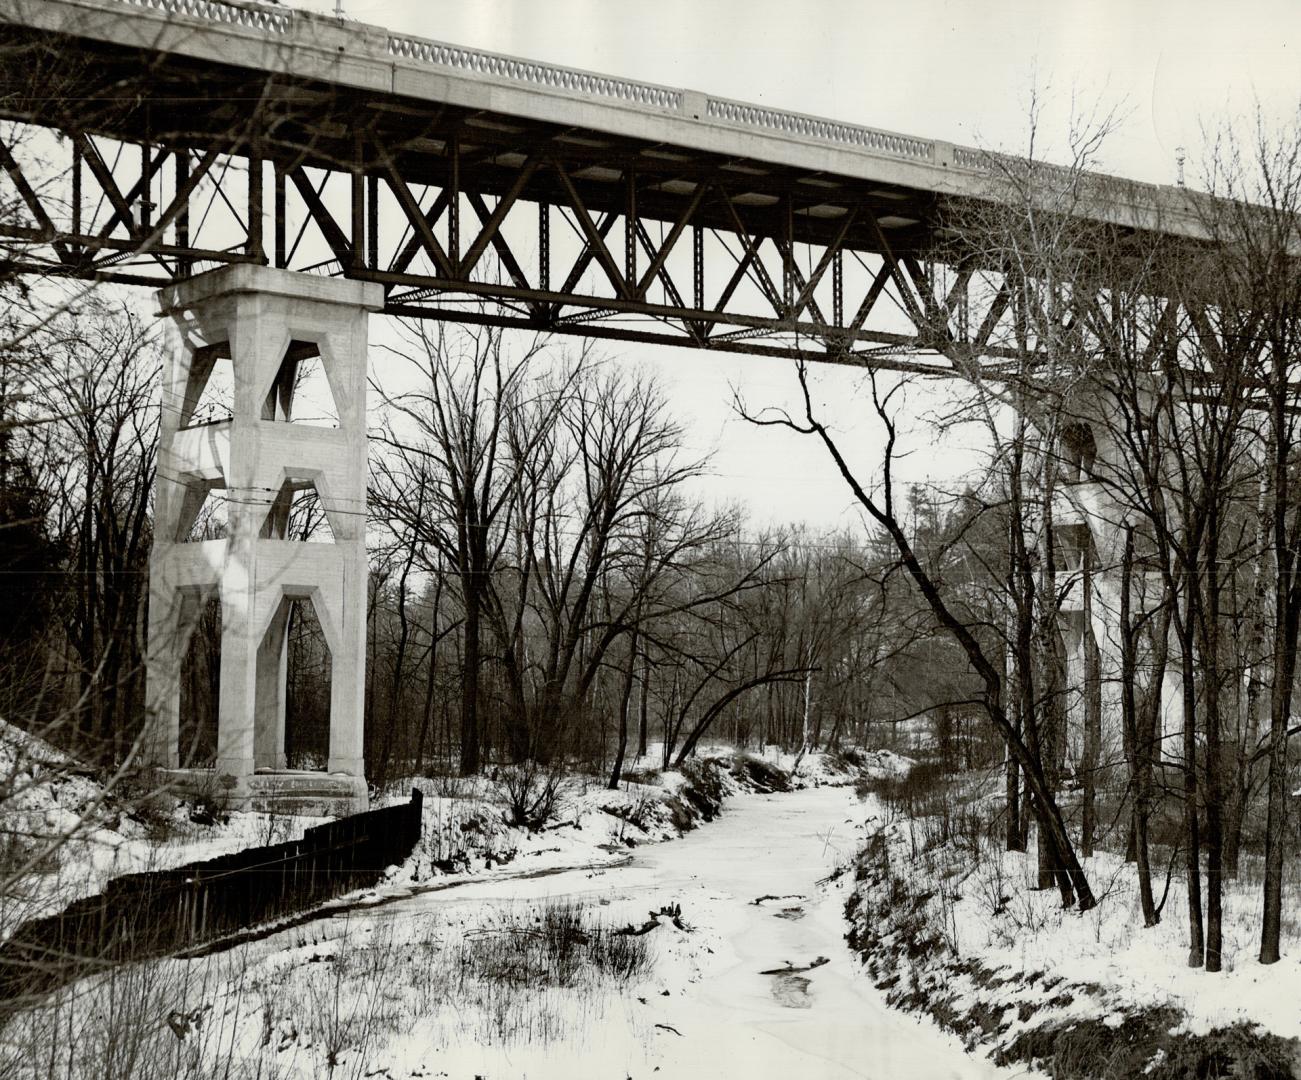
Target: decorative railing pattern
530,71
967,158
881,142
1044,173
271,20
274,20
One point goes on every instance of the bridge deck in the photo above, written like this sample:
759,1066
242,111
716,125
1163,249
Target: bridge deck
198,52
405,117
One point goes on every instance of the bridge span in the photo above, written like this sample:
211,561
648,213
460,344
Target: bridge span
482,187
278,176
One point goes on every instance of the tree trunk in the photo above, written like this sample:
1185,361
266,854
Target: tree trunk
1192,829
469,763
625,700
1275,828
427,708
427,711
1052,737
1210,664
1051,662
643,706
395,686
1255,697
805,736
1137,747
1092,714
1285,657
1027,748
1287,609
1014,839
372,672
1072,881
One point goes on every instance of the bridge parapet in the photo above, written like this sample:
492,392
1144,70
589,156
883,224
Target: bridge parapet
676,101
964,157
552,76
317,45
252,16
813,127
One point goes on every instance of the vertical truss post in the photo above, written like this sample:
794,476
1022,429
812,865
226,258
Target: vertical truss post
454,202
183,263
630,227
358,215
698,267
146,186
788,255
838,289
282,258
544,246
256,247
372,220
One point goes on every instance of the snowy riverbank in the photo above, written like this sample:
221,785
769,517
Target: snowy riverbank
756,982
949,925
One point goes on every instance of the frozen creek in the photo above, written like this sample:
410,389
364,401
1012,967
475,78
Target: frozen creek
709,1011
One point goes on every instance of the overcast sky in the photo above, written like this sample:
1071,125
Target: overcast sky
958,70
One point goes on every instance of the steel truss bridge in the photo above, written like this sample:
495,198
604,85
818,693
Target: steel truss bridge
147,140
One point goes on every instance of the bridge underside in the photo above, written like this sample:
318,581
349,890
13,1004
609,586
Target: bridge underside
131,154
164,166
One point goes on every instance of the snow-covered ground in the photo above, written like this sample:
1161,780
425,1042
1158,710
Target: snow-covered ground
64,834
952,925
756,983
1109,945
752,889
465,820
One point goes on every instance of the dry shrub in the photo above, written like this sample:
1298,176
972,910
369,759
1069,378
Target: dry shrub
537,974
534,792
642,774
533,974
847,758
148,1021
1241,1050
146,797
920,792
553,947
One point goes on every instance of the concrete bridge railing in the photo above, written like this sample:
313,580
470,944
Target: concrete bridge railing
360,54
253,16
555,77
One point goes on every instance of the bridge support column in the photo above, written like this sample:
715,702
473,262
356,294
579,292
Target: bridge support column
266,323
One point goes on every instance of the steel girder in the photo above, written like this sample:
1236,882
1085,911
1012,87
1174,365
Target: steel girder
155,171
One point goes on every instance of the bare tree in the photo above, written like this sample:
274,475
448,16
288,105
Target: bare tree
99,382
1253,325
1070,877
601,528
447,481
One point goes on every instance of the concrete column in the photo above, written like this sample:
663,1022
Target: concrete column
177,584
348,672
257,316
272,672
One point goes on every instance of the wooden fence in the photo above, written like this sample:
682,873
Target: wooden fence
154,914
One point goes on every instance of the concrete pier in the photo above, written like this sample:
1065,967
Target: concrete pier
266,322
